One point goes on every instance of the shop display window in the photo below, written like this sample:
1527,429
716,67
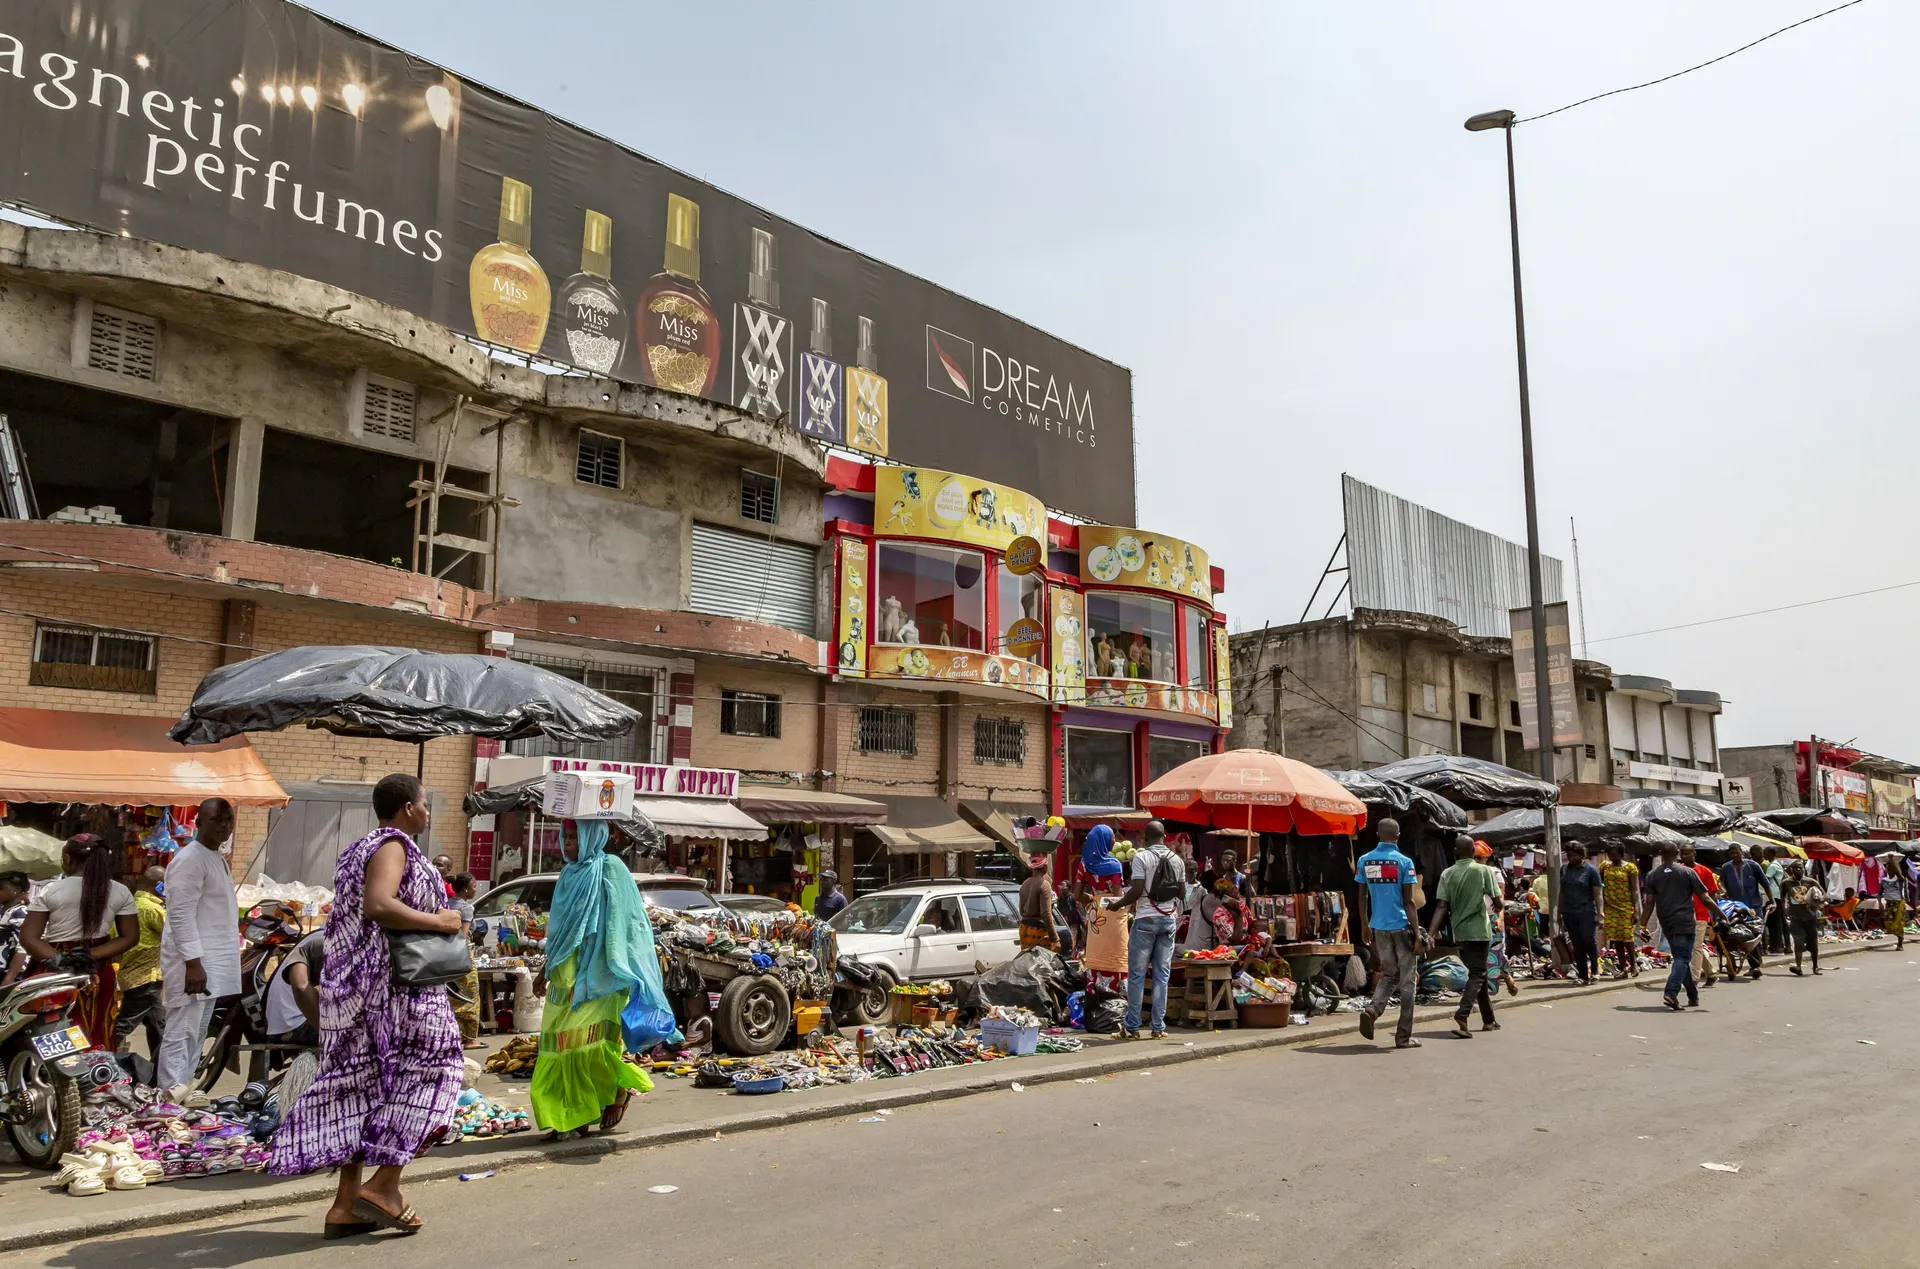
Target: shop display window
1099,768
930,595
1164,753
1130,637
1019,597
1199,648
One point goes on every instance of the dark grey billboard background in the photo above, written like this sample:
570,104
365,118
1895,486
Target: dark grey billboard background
201,166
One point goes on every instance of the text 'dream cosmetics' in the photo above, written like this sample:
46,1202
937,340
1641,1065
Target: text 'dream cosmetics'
866,397
679,335
762,339
822,404
592,317
509,290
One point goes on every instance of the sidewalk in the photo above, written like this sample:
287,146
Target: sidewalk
36,1215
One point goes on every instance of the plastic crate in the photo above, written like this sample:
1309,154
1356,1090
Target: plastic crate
1008,1038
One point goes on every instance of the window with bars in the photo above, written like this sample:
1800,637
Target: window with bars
635,688
749,714
598,460
93,660
887,729
1000,740
759,497
123,343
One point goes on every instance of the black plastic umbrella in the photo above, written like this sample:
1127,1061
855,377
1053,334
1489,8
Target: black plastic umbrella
397,694
1397,798
1813,821
1762,828
1582,824
526,795
1695,817
1473,783
1654,835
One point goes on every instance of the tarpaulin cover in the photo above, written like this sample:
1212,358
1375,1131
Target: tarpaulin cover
1399,799
1036,979
1654,837
57,755
398,694
1473,783
1812,820
1577,824
1763,828
1695,817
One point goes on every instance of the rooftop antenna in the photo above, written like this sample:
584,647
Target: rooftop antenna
1579,590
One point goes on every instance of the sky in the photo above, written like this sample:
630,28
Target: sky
1271,214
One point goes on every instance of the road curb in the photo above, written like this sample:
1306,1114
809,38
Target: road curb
90,1221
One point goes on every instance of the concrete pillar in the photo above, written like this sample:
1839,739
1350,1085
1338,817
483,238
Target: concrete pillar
236,630
242,497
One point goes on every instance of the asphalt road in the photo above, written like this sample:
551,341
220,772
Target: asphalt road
1573,1138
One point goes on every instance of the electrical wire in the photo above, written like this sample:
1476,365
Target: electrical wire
1689,70
1759,612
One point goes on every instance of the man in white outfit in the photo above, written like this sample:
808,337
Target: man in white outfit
200,948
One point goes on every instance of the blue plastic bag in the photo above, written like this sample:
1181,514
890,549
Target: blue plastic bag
1076,1006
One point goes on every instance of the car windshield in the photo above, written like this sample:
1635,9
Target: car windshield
752,903
684,898
876,914
537,895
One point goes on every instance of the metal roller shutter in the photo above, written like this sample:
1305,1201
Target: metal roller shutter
746,576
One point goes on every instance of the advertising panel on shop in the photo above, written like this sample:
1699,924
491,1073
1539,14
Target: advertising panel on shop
1069,649
850,633
269,134
1130,557
919,502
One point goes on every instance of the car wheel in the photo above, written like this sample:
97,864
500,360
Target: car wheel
755,1015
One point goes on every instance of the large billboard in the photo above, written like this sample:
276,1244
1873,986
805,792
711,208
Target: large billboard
1562,700
264,132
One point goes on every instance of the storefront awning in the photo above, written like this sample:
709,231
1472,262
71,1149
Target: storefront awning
925,826
701,817
778,804
54,755
995,819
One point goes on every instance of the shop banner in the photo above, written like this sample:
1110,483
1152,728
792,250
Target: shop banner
851,631
1560,697
1891,798
1223,674
954,665
1135,694
1129,557
918,502
1069,648
1844,790
264,132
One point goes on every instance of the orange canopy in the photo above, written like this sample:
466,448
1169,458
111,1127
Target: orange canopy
1254,789
1831,851
53,755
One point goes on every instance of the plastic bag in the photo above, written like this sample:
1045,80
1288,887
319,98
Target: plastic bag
1036,979
1355,980
1444,973
1076,1009
1105,1012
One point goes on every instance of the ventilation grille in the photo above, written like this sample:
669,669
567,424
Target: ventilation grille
123,343
387,409
759,497
598,462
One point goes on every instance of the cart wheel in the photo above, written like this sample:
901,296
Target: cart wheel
869,1005
755,1015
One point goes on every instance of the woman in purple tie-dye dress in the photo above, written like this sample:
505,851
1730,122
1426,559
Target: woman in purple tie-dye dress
390,1060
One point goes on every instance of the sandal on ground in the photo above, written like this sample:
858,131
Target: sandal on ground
1671,1002
86,1184
1460,1031
406,1221
1513,988
610,1117
347,1229
1796,971
127,1177
1489,1026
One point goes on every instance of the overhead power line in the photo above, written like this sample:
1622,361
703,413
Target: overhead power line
1689,70
1759,612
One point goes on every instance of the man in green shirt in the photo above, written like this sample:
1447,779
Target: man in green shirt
1466,889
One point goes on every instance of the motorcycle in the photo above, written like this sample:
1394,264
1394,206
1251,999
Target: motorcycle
239,1023
47,1065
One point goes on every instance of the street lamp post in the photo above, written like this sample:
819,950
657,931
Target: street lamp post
1542,687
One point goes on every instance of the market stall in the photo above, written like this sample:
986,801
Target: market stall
806,830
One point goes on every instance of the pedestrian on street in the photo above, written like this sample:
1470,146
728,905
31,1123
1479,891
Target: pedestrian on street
1893,892
1097,876
1744,881
390,1063
200,946
1620,900
466,996
1499,964
1389,878
1463,894
80,923
1036,906
831,897
1674,892
443,865
1155,895
1705,913
14,889
1776,873
1805,900
599,949
140,987
1230,867
1580,899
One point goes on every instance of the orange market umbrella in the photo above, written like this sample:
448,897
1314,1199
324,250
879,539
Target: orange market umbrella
1258,791
1831,851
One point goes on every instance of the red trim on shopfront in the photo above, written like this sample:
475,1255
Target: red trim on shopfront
848,476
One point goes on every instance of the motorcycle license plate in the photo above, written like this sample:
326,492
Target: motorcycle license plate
60,1043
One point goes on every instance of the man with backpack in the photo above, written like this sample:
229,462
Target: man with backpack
1155,896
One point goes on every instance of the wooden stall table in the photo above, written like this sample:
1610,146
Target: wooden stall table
1200,993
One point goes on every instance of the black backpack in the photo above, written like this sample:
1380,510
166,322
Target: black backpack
1168,884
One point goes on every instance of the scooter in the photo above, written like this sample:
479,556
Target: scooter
47,1064
239,1023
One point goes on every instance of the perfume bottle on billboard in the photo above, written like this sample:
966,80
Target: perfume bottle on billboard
508,289
678,333
822,411
592,316
866,397
762,339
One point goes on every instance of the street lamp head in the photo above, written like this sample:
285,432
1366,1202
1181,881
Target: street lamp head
1491,119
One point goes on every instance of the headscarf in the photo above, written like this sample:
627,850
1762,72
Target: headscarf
599,918
1096,853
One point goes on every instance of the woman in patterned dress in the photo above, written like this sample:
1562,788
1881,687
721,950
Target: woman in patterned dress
1619,894
390,1061
1097,876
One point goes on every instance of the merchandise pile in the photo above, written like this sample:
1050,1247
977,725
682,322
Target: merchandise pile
515,1058
132,1138
1265,991
477,1116
795,948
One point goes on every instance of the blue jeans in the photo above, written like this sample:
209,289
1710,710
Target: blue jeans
1149,945
1680,942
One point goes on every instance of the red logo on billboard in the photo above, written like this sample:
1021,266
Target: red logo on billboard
949,364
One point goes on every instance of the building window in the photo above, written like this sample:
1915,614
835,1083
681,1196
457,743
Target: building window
1019,597
1378,684
1592,752
931,595
1099,768
1199,666
759,497
1164,753
1513,712
887,729
749,714
632,687
1592,695
598,460
93,660
1430,698
1129,637
1473,705
1000,740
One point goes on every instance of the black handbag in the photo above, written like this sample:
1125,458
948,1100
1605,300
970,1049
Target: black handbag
422,958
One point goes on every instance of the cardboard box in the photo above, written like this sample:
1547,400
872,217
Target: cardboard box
588,795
